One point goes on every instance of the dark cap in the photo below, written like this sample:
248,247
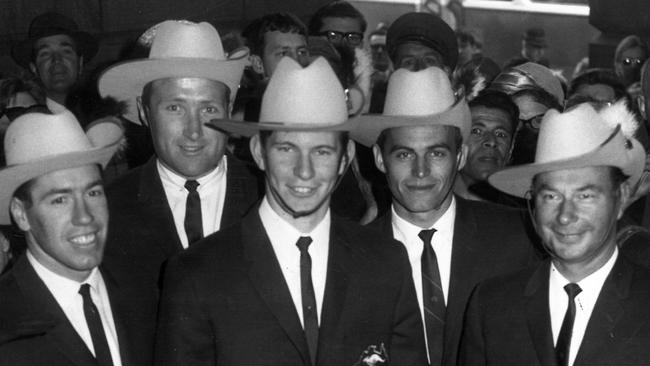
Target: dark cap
427,29
535,37
50,24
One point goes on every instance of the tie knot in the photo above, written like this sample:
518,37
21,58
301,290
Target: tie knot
191,185
426,235
84,290
572,290
303,243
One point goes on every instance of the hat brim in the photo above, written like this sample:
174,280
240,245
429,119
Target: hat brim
86,44
248,129
125,81
15,175
368,127
518,180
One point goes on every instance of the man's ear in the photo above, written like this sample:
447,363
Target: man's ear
256,64
33,69
379,159
461,156
19,213
142,112
256,151
625,198
347,158
640,102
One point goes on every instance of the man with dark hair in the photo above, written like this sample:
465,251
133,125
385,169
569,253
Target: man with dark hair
61,305
601,85
292,284
586,304
495,118
420,144
190,188
341,23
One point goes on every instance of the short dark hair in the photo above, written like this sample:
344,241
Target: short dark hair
598,76
24,193
498,100
282,22
616,176
458,137
344,137
335,9
147,90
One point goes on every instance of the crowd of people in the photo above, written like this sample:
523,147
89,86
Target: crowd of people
322,194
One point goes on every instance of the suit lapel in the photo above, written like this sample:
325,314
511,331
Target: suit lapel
266,276
120,309
153,201
42,307
237,192
538,315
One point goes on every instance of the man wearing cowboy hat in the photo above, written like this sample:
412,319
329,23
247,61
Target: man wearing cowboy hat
292,284
452,243
587,304
190,189
55,51
60,305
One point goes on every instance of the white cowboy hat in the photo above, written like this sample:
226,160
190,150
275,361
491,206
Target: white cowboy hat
36,144
417,98
296,99
179,49
578,138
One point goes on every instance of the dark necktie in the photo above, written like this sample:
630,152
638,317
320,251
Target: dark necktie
433,299
309,313
94,321
193,218
563,345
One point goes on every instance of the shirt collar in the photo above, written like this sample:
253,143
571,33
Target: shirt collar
171,178
591,283
444,226
276,226
59,285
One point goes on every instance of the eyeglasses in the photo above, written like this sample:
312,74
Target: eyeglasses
533,122
632,60
351,38
14,112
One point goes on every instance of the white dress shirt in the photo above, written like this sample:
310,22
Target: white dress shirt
66,294
283,239
558,302
441,242
212,191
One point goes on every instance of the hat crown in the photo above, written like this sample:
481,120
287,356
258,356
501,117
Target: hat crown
187,40
48,23
36,136
304,96
418,93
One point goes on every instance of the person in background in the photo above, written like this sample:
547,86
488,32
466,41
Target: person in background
629,56
533,48
340,23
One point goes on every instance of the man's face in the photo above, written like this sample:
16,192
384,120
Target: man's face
576,212
57,63
420,164
302,169
533,53
415,56
343,26
279,44
465,51
176,113
489,142
67,220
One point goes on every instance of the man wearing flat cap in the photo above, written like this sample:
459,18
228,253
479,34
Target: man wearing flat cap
55,51
587,304
190,188
60,304
292,284
419,143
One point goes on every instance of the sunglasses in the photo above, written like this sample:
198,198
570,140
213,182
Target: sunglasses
631,60
351,38
14,112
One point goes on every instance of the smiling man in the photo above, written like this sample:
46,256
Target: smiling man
420,144
191,188
292,284
587,304
60,305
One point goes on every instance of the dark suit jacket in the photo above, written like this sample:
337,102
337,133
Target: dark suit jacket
141,228
34,330
225,302
489,240
508,321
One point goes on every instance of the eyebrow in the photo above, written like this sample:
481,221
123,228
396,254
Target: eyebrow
430,147
68,190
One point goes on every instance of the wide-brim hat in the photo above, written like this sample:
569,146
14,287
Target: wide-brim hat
529,75
180,49
425,28
297,99
575,139
50,24
37,144
416,98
